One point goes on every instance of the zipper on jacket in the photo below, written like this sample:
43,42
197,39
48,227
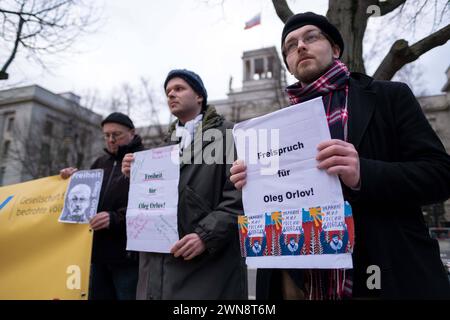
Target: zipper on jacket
107,184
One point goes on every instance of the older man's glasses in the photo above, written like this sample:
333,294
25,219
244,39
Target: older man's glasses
113,135
291,46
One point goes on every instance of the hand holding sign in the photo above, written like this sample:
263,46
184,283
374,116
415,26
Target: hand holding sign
100,221
238,174
340,158
126,164
67,172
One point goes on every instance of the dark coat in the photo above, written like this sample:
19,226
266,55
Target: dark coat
109,244
208,205
403,166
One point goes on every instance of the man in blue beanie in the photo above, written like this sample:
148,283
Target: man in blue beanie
193,80
390,162
206,262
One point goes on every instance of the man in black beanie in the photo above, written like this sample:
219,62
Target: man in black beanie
390,162
114,271
205,263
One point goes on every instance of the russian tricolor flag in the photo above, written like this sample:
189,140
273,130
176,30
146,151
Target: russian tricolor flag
253,22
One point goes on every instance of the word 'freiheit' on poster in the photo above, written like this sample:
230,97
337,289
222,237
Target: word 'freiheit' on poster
153,200
295,214
82,196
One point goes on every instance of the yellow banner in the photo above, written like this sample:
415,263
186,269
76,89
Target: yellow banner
41,258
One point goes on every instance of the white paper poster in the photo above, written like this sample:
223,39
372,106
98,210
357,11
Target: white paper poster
153,200
82,196
295,213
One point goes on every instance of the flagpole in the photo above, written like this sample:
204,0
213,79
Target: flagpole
262,35
261,25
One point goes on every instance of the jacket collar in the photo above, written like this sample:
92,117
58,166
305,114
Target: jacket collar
211,119
361,105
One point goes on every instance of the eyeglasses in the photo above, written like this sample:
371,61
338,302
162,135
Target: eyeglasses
310,37
113,135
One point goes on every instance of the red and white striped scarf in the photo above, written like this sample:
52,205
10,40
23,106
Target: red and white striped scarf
332,86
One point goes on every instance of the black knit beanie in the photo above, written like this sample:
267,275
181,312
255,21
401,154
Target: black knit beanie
310,18
120,118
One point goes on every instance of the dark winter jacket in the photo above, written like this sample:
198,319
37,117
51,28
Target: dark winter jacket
109,244
208,205
403,166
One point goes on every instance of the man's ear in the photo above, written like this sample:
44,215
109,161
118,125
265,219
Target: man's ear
133,132
336,51
200,100
287,68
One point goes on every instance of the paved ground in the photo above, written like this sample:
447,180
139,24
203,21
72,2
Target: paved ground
251,273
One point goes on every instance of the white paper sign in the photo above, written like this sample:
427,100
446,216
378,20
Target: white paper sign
285,185
153,200
82,196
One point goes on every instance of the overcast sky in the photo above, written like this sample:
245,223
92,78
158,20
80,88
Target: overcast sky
141,38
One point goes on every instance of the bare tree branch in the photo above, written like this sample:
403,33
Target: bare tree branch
389,6
282,9
149,99
3,73
42,27
401,53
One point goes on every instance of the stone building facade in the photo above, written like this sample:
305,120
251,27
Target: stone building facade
262,91
437,111
42,132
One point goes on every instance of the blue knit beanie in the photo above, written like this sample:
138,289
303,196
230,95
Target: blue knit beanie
192,79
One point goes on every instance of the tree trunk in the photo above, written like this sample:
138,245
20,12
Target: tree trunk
350,17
